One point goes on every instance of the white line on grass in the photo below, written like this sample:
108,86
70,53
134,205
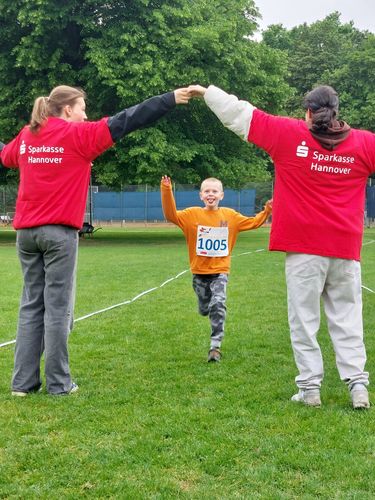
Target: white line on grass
247,253
7,343
131,300
126,302
118,305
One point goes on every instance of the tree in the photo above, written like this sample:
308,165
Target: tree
354,82
332,53
124,51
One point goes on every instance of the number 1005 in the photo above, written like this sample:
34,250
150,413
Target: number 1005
208,244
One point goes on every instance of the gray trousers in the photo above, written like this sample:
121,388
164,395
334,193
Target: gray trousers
48,256
211,290
337,282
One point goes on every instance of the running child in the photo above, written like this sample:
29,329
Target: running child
211,232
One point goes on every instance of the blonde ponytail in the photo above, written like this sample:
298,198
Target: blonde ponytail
53,105
39,113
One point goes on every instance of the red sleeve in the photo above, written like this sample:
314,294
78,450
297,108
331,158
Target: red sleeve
369,148
10,153
93,138
265,130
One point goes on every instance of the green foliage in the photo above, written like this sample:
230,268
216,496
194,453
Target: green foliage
152,49
329,52
122,52
319,49
355,83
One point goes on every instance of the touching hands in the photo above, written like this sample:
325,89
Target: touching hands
196,90
183,95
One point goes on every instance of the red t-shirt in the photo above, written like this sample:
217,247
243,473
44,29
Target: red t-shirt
319,196
55,166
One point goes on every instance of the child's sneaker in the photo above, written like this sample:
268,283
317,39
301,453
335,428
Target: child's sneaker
309,397
214,355
359,396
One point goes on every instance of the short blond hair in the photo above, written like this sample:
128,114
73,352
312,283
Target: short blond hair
212,179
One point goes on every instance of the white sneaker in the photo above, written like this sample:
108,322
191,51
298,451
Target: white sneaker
19,394
359,396
309,397
23,394
74,388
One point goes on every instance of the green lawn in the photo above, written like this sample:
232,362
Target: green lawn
152,419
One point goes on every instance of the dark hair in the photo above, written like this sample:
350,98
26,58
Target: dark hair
53,105
323,102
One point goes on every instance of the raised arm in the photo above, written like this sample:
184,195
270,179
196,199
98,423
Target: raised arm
168,202
233,113
145,113
247,223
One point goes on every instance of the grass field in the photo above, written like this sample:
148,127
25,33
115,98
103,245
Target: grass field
152,418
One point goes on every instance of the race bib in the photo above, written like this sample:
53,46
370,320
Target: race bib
212,241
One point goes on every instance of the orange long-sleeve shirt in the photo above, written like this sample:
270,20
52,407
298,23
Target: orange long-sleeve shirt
189,220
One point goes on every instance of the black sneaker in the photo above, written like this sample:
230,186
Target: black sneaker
214,355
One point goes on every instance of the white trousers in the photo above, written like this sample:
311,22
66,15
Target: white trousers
338,283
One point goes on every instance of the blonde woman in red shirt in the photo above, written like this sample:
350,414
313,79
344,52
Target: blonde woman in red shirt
54,154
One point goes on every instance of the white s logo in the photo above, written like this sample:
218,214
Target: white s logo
302,150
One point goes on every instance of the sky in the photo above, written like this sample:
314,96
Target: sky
294,12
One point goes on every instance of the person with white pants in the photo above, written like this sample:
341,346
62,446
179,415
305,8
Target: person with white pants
338,282
321,170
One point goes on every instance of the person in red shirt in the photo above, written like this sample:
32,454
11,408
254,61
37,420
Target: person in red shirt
54,154
321,170
211,233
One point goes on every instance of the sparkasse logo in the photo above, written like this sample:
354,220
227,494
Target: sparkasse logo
22,148
302,150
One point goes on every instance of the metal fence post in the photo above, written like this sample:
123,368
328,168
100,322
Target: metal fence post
146,199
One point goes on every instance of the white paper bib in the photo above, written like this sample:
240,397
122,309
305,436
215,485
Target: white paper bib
212,241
